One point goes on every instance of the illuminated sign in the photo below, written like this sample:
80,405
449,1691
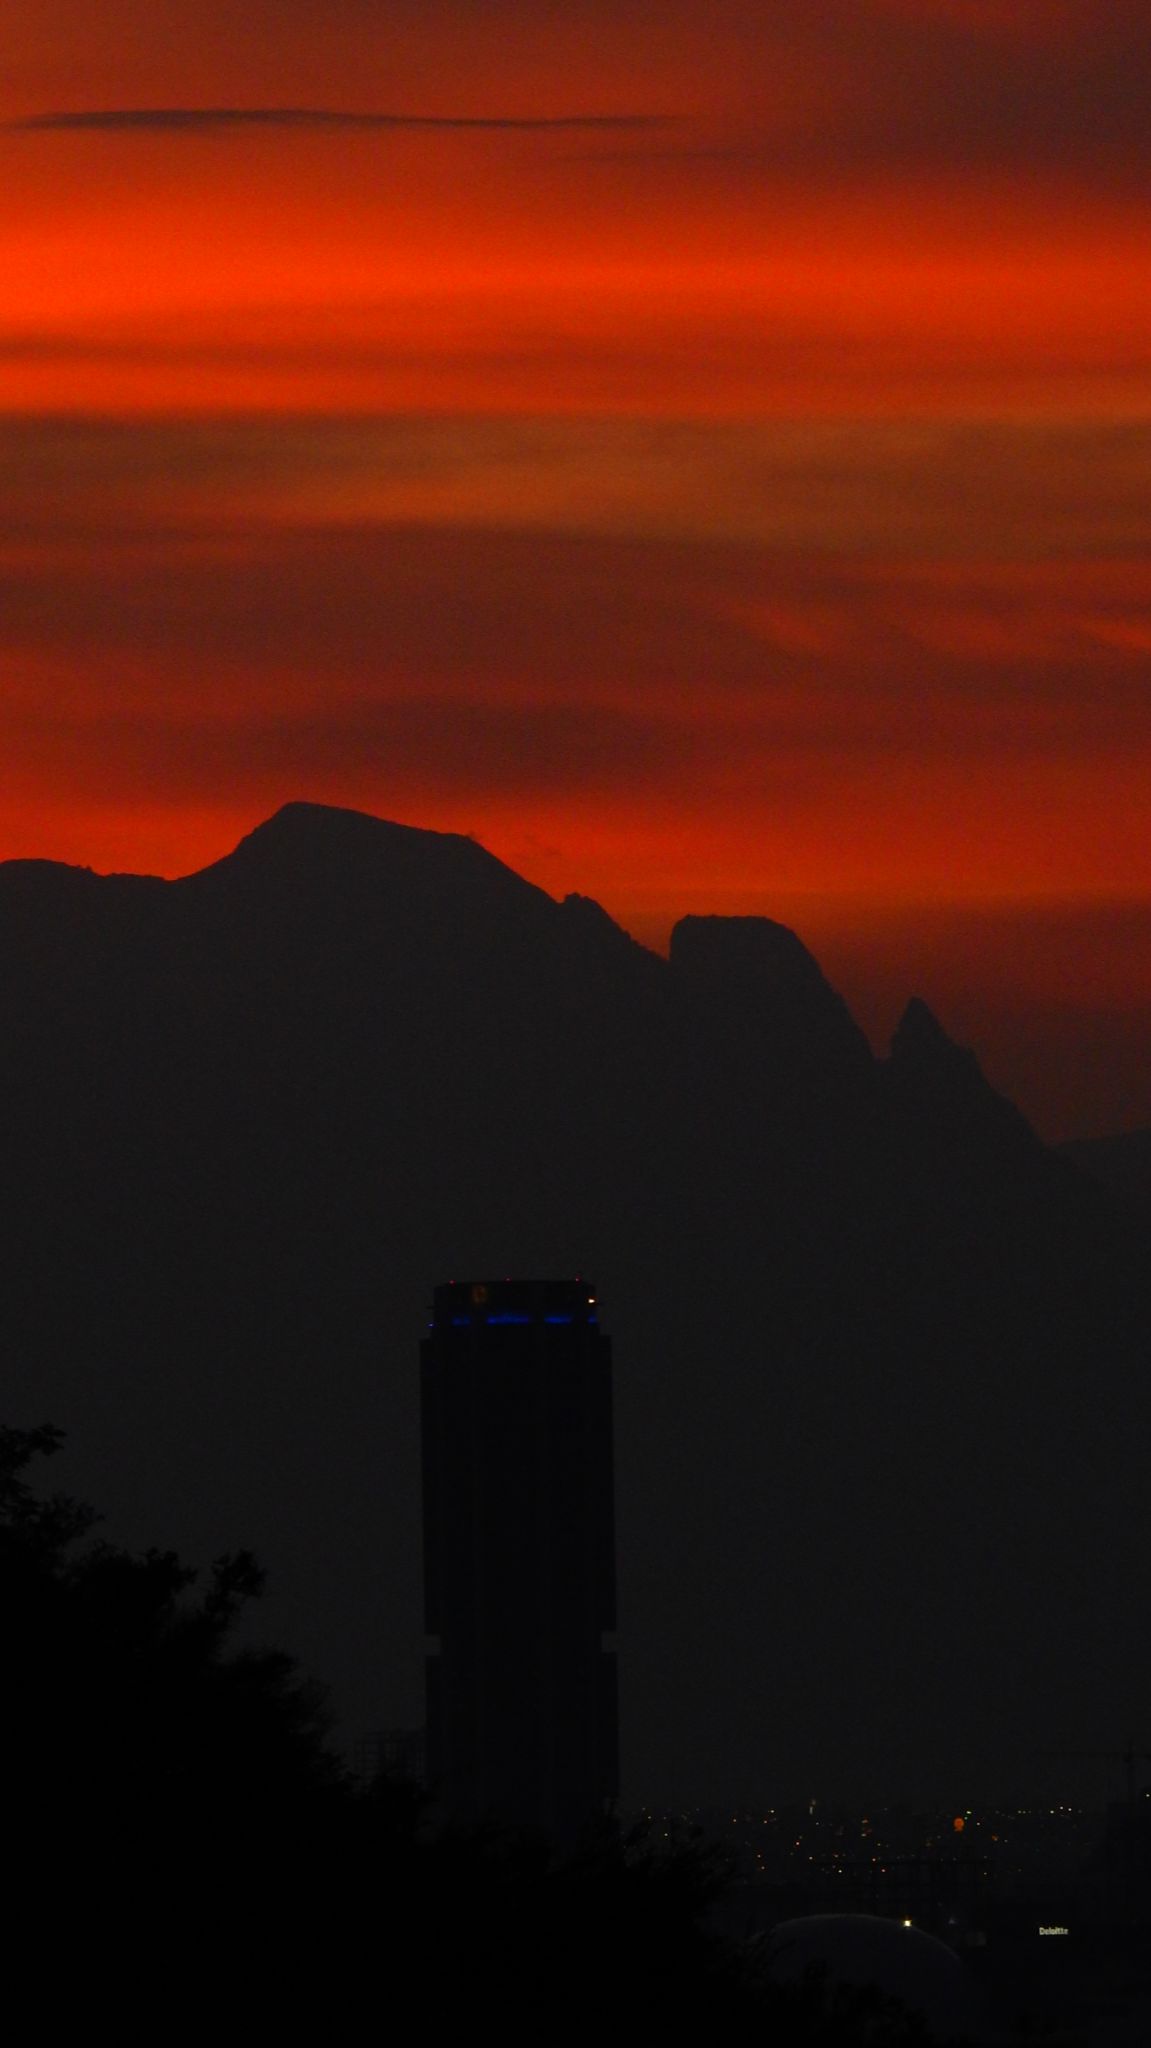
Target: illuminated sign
1054,1930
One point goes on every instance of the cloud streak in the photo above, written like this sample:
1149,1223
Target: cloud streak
203,120
859,491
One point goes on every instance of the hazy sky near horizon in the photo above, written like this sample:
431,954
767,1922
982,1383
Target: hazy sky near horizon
704,453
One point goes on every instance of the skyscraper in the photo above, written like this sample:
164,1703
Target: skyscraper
519,1554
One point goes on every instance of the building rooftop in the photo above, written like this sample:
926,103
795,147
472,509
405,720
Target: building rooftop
460,1303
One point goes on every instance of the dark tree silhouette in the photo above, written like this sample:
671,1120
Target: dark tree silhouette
186,1847
125,1705
170,1803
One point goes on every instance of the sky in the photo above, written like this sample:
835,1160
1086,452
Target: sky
704,453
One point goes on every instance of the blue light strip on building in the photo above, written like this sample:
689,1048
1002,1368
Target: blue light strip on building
465,1322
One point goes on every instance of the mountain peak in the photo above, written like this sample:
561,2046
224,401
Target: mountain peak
747,946
759,968
309,829
941,1083
921,1046
305,848
920,1028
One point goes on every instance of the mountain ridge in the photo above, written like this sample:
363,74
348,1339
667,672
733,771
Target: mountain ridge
249,1117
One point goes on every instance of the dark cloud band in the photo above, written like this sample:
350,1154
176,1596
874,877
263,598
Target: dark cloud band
194,120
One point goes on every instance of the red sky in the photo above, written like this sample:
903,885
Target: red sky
705,453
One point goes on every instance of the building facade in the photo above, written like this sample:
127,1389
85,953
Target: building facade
519,1555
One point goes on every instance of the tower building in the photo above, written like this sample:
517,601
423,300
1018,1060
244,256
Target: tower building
519,1554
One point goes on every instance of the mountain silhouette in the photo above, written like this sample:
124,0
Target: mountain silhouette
880,1353
1121,1163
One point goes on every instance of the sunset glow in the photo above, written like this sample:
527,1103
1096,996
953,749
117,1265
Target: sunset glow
707,459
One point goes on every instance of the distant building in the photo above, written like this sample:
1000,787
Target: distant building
519,1555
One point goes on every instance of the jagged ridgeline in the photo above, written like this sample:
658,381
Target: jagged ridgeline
880,1354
